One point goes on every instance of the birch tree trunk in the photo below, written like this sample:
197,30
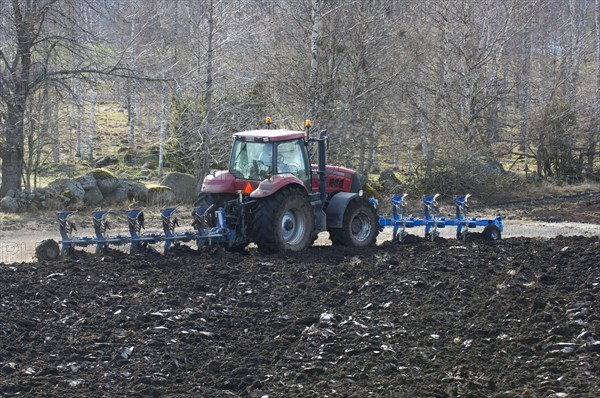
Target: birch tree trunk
80,104
314,54
209,93
52,132
525,97
395,148
92,101
163,126
132,84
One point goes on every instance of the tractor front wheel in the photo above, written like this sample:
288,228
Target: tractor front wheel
283,221
360,226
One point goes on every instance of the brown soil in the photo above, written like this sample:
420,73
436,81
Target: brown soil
517,317
583,208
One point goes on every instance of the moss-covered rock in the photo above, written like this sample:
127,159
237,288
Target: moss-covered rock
106,181
370,192
101,174
68,188
389,181
160,195
183,186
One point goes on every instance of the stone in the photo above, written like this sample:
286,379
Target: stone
106,161
493,168
107,185
9,204
137,191
69,188
183,186
389,181
56,203
93,196
106,181
388,175
148,166
119,194
160,195
87,181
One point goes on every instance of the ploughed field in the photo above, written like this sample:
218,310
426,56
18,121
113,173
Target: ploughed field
517,317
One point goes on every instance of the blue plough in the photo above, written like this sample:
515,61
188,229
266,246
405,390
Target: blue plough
139,241
432,221
216,231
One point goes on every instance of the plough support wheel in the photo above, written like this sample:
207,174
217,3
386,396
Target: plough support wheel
47,250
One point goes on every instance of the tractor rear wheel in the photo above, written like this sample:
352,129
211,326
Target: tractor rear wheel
360,226
283,221
47,250
491,232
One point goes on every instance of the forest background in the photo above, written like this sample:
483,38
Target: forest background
455,96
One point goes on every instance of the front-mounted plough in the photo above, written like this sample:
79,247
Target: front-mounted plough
433,222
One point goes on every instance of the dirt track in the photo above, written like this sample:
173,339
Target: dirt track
517,317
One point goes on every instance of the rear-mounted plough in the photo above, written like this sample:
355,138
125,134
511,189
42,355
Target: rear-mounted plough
203,234
433,222
210,227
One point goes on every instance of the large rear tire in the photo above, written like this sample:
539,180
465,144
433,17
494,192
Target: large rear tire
360,226
283,221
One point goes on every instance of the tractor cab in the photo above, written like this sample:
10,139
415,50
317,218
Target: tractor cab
260,154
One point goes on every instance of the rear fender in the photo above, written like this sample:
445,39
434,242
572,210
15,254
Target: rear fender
276,183
337,207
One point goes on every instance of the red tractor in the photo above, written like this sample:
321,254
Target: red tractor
273,196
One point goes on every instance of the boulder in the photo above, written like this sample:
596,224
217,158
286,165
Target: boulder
9,204
183,186
159,195
136,191
55,202
105,180
106,161
493,168
119,194
87,181
388,180
69,188
93,196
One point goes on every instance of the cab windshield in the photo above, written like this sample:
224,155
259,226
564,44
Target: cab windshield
254,160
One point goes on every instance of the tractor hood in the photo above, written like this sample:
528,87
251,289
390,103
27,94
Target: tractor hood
223,182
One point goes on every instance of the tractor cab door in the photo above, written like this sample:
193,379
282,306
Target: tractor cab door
292,158
251,160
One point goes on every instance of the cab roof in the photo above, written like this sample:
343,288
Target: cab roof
269,135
